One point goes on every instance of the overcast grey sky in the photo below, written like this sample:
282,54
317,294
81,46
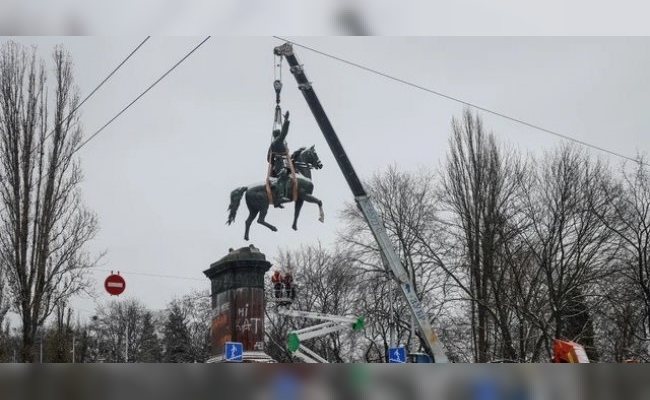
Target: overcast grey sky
325,17
160,176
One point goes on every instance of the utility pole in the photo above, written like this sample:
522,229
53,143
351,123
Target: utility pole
392,316
126,346
74,336
413,341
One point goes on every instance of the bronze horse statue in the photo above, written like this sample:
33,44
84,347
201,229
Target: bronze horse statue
304,160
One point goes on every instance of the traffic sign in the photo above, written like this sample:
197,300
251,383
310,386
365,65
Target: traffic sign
115,284
234,352
397,355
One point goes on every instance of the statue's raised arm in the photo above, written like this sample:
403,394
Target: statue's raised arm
278,157
278,145
285,130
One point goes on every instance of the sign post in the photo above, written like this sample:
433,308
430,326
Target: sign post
234,352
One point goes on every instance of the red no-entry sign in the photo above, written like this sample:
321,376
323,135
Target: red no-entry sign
115,284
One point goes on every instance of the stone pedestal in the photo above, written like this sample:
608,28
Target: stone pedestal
237,292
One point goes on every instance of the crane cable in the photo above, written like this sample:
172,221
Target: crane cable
466,103
277,86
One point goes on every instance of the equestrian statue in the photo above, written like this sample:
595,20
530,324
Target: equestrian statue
288,180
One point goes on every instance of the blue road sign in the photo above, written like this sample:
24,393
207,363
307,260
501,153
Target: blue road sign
397,355
234,352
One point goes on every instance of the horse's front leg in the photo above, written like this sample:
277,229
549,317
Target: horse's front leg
296,213
311,199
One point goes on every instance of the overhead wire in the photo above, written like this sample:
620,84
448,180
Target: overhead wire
148,274
105,79
127,107
91,137
109,76
163,76
467,103
71,113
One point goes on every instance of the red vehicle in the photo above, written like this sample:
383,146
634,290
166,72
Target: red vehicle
568,352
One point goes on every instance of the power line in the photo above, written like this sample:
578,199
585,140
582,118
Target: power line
152,275
140,96
127,107
108,77
437,93
71,113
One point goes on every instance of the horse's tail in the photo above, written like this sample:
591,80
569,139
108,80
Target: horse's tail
235,199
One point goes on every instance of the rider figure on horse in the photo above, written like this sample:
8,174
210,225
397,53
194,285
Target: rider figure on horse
277,157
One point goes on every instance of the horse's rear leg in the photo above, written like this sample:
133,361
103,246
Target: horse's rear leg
251,216
261,221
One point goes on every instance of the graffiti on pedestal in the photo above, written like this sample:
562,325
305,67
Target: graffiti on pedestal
249,317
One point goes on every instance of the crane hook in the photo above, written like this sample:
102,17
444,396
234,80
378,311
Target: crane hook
277,85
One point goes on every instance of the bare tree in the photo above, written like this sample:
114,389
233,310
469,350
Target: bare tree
480,192
5,304
571,246
619,322
119,330
623,207
328,285
44,225
406,202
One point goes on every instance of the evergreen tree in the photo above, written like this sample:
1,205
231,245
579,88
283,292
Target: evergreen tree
150,350
5,344
177,337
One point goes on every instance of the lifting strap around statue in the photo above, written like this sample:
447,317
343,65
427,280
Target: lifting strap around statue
269,192
294,178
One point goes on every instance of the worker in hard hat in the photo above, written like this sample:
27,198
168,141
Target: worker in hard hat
288,285
277,282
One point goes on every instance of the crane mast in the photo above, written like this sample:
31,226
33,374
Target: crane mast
365,204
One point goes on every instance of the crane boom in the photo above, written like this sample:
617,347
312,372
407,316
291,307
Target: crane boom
365,204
